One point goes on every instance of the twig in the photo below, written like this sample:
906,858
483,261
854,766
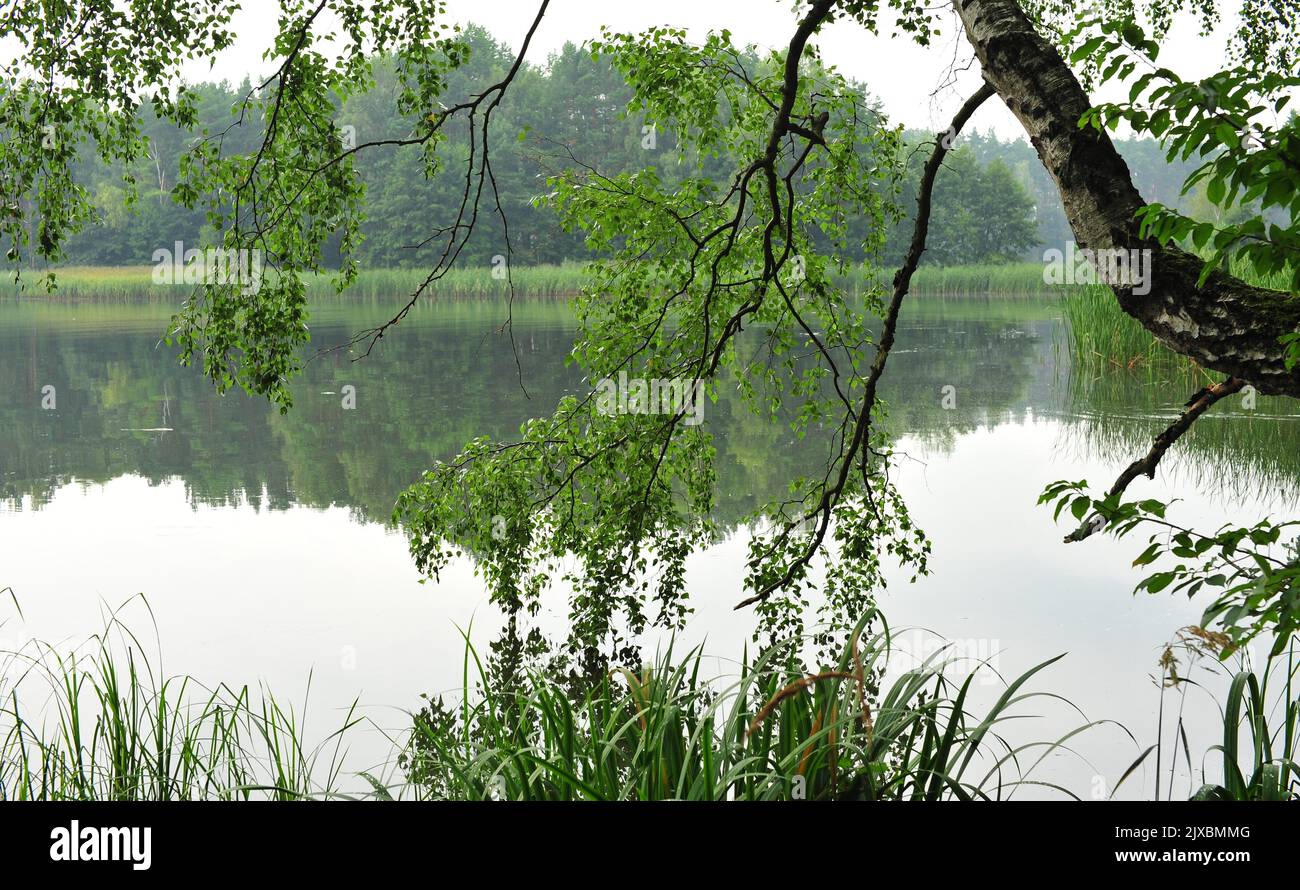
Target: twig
1146,465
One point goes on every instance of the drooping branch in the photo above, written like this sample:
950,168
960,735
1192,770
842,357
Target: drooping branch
1146,465
479,176
735,247
901,287
1226,324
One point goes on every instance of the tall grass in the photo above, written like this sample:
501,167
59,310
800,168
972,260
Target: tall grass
1278,280
566,279
1018,280
551,281
775,733
135,283
108,727
1001,279
1103,338
1256,758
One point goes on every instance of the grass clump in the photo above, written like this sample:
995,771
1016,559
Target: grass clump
1256,758
110,728
1103,338
774,733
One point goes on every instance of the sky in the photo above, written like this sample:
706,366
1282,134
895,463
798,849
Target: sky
914,83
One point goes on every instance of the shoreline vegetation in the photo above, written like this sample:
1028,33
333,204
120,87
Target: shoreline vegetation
110,725
1025,279
1101,338
541,281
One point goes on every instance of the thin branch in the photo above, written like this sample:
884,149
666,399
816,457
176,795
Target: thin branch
902,284
1146,465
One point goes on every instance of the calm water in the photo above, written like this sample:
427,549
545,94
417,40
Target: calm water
260,540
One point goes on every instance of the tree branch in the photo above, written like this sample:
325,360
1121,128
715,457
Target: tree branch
902,284
1146,465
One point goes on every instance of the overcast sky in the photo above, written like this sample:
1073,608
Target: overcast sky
897,71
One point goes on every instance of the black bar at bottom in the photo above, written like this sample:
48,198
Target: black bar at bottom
366,840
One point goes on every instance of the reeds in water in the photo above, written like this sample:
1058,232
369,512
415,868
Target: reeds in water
135,283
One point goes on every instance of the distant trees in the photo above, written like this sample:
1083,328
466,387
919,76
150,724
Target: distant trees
986,213
571,112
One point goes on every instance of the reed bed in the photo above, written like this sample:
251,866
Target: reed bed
549,281
1000,279
135,283
1103,338
1019,280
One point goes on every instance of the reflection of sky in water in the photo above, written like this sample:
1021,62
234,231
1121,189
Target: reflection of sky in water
242,593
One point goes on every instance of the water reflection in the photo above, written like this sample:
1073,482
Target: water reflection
448,375
257,534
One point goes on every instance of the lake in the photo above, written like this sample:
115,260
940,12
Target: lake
261,541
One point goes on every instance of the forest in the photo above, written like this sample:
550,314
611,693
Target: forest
998,206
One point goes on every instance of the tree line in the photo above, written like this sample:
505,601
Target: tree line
995,201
